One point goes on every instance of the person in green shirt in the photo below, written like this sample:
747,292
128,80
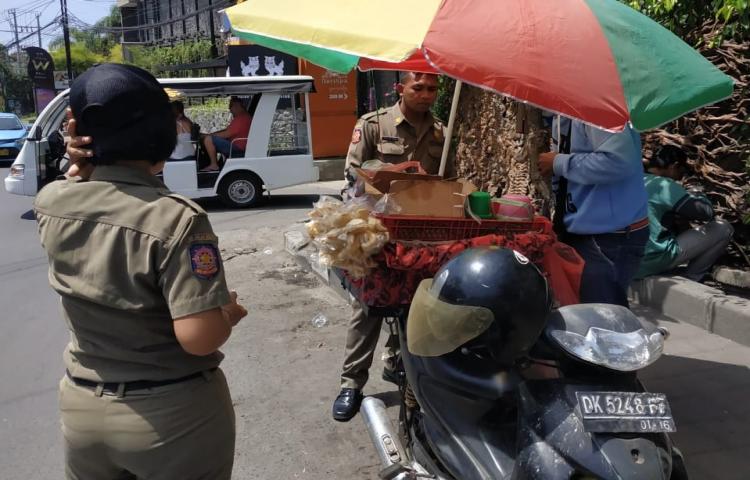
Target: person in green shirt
669,207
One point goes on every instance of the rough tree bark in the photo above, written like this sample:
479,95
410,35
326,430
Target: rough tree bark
498,142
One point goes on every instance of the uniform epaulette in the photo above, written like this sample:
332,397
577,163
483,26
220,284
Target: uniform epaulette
372,115
185,201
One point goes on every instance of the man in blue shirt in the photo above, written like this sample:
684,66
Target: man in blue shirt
669,204
604,216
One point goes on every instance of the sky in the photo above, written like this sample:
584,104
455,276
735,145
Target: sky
88,11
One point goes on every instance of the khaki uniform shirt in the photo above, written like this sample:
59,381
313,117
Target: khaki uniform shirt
127,256
388,136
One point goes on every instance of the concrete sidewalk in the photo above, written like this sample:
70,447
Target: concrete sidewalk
702,306
707,381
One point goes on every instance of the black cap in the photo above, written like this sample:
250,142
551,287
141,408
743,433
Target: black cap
111,102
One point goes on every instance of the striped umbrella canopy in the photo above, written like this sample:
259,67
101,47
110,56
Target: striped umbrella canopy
595,60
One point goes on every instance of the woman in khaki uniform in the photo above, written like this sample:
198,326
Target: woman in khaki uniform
144,295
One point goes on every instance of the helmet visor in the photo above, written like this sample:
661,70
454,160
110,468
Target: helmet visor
435,327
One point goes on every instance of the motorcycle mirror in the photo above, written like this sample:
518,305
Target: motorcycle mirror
36,134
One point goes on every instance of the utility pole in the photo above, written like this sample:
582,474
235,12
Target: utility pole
18,43
66,38
171,24
38,31
184,30
214,52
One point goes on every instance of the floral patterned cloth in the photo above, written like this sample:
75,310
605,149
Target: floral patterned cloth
403,265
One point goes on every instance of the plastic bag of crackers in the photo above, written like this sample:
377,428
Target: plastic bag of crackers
346,235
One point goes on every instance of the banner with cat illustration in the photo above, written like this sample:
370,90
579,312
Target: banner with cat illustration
254,60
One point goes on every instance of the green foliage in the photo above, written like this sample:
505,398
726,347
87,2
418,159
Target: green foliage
12,85
153,58
96,39
90,46
81,58
442,106
683,17
209,104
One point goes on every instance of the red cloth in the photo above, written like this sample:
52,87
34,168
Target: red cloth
402,265
239,128
563,267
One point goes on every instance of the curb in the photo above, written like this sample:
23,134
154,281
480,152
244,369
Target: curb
691,302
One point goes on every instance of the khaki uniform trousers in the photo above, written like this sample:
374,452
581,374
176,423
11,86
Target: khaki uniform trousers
361,343
180,431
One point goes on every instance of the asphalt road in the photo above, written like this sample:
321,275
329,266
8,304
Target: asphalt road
34,334
30,348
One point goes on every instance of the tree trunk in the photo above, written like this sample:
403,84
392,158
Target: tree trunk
498,142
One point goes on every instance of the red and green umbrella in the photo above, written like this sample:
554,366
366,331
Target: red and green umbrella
595,60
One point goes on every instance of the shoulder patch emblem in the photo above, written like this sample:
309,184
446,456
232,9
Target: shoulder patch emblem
204,260
356,135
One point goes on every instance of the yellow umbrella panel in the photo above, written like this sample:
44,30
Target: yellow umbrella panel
388,30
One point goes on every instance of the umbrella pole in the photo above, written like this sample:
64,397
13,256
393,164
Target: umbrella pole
449,131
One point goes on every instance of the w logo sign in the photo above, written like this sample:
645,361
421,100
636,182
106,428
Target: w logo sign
40,68
40,64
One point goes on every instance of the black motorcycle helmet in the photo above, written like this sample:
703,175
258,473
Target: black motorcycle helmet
492,300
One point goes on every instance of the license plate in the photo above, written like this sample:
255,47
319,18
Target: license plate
625,412
4,151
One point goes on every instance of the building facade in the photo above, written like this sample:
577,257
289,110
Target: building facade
167,22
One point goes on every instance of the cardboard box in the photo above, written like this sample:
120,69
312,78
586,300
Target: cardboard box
381,179
420,195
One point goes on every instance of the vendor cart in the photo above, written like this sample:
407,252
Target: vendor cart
419,246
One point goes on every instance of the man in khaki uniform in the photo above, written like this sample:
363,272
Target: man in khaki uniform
144,296
404,132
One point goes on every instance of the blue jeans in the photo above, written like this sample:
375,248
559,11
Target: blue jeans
223,145
612,260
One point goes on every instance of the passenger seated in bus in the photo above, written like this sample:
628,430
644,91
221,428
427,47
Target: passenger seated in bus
185,148
231,141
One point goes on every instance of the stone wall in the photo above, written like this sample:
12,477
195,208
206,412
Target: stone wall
282,129
210,120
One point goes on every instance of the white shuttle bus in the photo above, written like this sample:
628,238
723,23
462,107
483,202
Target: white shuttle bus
278,152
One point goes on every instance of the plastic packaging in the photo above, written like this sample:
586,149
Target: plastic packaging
346,235
319,320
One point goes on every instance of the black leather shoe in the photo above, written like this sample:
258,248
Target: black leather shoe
346,404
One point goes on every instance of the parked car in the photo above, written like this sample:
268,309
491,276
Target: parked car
12,136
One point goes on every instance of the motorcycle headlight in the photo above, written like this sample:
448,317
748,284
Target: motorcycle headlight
624,352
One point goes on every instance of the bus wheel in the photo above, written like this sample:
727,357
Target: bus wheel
240,189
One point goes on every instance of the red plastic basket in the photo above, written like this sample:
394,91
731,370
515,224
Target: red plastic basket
443,229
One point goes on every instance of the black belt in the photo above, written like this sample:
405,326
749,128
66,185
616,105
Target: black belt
121,387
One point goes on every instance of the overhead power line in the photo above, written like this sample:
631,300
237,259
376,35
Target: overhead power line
16,42
149,26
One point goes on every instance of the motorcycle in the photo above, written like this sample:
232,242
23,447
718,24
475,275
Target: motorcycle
570,408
